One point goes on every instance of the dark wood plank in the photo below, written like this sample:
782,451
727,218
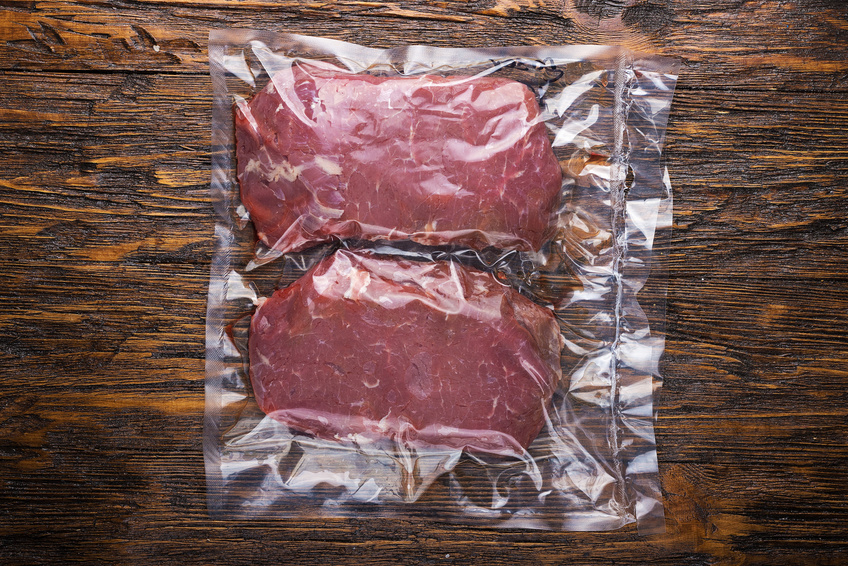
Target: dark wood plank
758,185
106,232
749,45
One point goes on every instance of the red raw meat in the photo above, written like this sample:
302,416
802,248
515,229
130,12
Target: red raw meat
363,348
324,153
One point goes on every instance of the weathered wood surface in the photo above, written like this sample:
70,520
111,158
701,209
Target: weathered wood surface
105,232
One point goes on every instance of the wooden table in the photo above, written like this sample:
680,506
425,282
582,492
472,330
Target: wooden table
106,237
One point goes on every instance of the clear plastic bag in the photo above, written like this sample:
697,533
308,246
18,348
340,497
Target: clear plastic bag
407,366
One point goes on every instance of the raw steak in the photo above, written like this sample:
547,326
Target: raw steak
324,153
365,348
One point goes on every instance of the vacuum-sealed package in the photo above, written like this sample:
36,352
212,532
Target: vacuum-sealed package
437,290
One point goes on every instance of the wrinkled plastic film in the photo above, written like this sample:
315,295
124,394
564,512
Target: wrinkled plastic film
593,466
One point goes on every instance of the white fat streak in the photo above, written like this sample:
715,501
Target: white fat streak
264,359
359,281
283,170
287,171
253,166
329,167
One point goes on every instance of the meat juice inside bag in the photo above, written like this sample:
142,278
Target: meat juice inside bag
435,291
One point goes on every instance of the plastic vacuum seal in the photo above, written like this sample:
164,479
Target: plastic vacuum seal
437,289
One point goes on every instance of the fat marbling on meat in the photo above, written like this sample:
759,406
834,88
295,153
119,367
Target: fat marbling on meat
368,348
324,153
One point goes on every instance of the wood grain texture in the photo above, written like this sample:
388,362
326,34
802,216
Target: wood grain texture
106,233
753,45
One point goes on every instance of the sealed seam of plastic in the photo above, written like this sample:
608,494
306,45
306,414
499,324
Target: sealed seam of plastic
284,439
